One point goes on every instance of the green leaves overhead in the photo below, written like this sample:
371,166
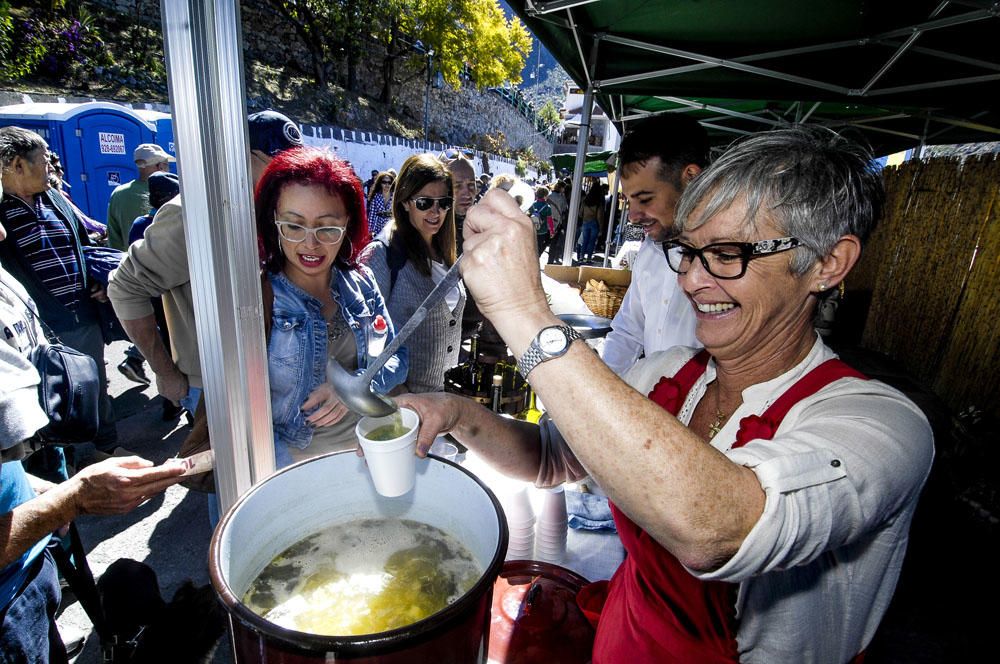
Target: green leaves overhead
471,40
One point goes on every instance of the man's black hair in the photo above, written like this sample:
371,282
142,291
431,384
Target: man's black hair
678,140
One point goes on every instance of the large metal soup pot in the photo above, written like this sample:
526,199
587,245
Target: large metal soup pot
333,489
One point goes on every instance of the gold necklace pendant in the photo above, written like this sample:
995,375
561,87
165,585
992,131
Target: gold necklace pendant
716,426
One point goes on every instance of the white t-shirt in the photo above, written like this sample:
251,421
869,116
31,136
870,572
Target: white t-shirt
438,272
655,314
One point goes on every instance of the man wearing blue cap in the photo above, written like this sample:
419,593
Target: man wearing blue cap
157,265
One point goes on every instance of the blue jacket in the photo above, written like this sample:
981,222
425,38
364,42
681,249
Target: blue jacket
297,352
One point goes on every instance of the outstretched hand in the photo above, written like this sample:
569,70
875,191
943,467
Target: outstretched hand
119,485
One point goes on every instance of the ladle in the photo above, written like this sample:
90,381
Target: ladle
355,390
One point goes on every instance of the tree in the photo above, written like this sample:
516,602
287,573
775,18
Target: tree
474,37
468,38
549,115
317,24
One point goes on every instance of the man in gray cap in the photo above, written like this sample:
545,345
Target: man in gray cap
157,265
131,200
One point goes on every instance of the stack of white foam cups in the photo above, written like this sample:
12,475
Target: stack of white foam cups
521,522
550,540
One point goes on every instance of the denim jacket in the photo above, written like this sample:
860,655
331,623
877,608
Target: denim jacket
297,351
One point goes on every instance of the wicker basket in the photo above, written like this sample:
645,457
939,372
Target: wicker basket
604,302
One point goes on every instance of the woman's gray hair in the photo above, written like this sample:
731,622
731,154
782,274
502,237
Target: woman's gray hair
812,184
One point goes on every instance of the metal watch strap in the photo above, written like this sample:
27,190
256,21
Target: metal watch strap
535,356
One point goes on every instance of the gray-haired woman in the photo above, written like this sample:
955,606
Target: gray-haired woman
762,488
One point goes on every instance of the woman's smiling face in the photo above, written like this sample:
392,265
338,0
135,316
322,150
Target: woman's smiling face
428,222
310,206
767,306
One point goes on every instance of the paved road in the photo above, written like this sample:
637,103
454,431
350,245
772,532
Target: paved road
169,533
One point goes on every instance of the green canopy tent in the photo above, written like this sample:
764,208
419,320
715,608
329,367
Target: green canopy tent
898,73
595,166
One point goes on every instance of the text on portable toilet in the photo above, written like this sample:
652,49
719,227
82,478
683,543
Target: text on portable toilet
111,143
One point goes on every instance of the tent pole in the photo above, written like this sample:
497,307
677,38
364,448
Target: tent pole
614,216
583,140
204,58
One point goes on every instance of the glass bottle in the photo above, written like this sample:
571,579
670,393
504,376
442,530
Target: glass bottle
473,370
531,413
496,395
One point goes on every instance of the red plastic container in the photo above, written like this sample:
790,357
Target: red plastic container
535,617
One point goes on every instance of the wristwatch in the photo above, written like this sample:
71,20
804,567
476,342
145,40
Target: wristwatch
550,342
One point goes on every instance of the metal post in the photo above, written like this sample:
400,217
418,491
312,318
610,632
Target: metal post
205,76
583,140
614,217
427,101
581,159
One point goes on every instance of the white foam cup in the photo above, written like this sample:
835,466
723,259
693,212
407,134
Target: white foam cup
521,527
546,557
519,554
553,507
517,507
392,464
442,448
551,535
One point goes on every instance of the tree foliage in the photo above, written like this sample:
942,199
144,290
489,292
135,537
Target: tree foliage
49,43
471,37
549,114
460,38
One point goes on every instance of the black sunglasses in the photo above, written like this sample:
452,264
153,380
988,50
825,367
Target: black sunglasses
425,203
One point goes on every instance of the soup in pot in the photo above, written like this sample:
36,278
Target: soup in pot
363,577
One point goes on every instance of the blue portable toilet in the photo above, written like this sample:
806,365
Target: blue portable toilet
164,131
95,141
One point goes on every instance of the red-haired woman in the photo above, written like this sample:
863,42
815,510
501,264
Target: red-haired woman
311,223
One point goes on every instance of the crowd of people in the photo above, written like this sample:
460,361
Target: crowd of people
762,489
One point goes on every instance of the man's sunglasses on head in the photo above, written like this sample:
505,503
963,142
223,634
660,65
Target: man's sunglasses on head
451,154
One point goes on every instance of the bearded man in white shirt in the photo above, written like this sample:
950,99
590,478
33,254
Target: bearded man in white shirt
658,158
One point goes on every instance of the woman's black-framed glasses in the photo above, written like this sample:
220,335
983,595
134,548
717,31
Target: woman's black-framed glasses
297,233
425,203
385,181
724,260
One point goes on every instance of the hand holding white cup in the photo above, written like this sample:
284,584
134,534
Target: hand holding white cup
392,461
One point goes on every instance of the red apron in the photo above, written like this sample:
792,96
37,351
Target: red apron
655,610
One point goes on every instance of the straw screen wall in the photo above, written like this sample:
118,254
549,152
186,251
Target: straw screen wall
933,271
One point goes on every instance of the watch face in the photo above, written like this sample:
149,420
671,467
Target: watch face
551,340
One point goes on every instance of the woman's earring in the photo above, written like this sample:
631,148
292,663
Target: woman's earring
822,287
